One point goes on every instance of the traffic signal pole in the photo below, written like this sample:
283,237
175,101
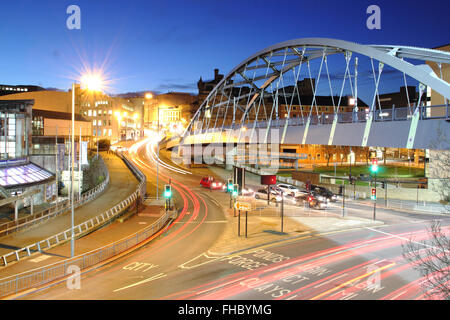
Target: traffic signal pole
375,201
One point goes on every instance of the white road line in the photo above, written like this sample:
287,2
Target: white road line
189,222
210,259
158,276
333,279
397,295
221,285
406,239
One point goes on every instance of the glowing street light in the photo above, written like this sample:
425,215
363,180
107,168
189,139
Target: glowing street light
92,82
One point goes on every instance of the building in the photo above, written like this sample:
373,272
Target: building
6,89
112,118
18,174
175,110
442,71
399,99
205,87
49,125
45,99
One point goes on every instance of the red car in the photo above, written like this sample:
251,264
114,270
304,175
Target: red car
210,182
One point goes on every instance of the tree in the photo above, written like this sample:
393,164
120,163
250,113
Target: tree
439,168
432,259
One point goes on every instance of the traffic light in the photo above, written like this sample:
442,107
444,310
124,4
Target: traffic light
235,190
230,185
310,198
373,196
167,191
374,166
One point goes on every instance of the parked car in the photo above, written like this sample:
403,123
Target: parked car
212,183
325,193
262,194
289,189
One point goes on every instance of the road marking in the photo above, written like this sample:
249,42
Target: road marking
200,256
406,239
197,222
353,280
397,295
332,279
140,265
158,276
220,285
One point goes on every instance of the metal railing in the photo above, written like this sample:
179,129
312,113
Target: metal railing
83,228
40,276
391,114
63,206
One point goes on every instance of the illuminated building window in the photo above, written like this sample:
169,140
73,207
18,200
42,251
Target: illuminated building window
89,113
95,113
94,122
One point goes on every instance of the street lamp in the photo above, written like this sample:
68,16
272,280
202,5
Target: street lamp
92,82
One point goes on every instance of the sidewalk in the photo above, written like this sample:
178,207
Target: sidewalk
122,184
264,225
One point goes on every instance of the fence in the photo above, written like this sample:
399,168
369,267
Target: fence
58,270
63,206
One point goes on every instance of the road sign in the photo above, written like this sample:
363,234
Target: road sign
243,206
269,179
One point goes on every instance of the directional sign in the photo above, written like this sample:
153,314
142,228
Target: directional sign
243,206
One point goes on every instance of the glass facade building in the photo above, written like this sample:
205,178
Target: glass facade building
15,129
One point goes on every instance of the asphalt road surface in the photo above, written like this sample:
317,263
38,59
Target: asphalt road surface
365,263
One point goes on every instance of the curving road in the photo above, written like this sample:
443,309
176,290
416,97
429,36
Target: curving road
366,263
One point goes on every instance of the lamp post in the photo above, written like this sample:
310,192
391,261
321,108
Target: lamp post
157,162
72,234
92,82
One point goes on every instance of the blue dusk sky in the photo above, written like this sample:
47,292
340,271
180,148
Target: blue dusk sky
168,45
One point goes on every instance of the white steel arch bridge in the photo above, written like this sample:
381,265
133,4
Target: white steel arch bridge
327,91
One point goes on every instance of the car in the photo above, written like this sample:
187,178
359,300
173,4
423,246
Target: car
311,200
248,192
325,193
289,189
262,194
289,198
211,183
